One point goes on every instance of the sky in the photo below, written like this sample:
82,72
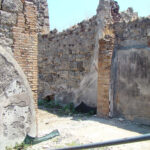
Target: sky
66,13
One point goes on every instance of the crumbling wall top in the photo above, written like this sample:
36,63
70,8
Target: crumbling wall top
43,16
83,26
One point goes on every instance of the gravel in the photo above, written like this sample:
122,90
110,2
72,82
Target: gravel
77,130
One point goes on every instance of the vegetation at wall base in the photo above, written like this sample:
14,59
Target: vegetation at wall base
21,146
67,109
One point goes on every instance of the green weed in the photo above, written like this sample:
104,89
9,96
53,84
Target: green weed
21,146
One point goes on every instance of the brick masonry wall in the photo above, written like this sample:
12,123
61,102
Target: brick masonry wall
8,18
19,37
25,44
106,47
108,15
20,22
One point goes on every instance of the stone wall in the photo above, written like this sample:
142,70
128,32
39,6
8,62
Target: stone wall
64,59
123,81
19,38
8,19
108,15
107,56
131,70
43,16
20,23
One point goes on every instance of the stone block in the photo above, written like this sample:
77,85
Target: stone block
8,18
12,5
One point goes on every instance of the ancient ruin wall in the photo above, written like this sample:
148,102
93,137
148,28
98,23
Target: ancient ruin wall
68,72
131,70
119,43
20,23
9,10
108,14
8,19
25,44
123,81
105,50
64,59
43,16
18,37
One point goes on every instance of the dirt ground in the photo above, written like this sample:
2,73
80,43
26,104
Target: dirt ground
77,130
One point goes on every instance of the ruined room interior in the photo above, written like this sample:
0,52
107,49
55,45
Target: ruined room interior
95,73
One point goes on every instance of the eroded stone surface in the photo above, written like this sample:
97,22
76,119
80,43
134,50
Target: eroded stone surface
8,18
17,112
7,21
12,5
133,99
68,61
43,16
64,59
9,11
129,15
131,70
